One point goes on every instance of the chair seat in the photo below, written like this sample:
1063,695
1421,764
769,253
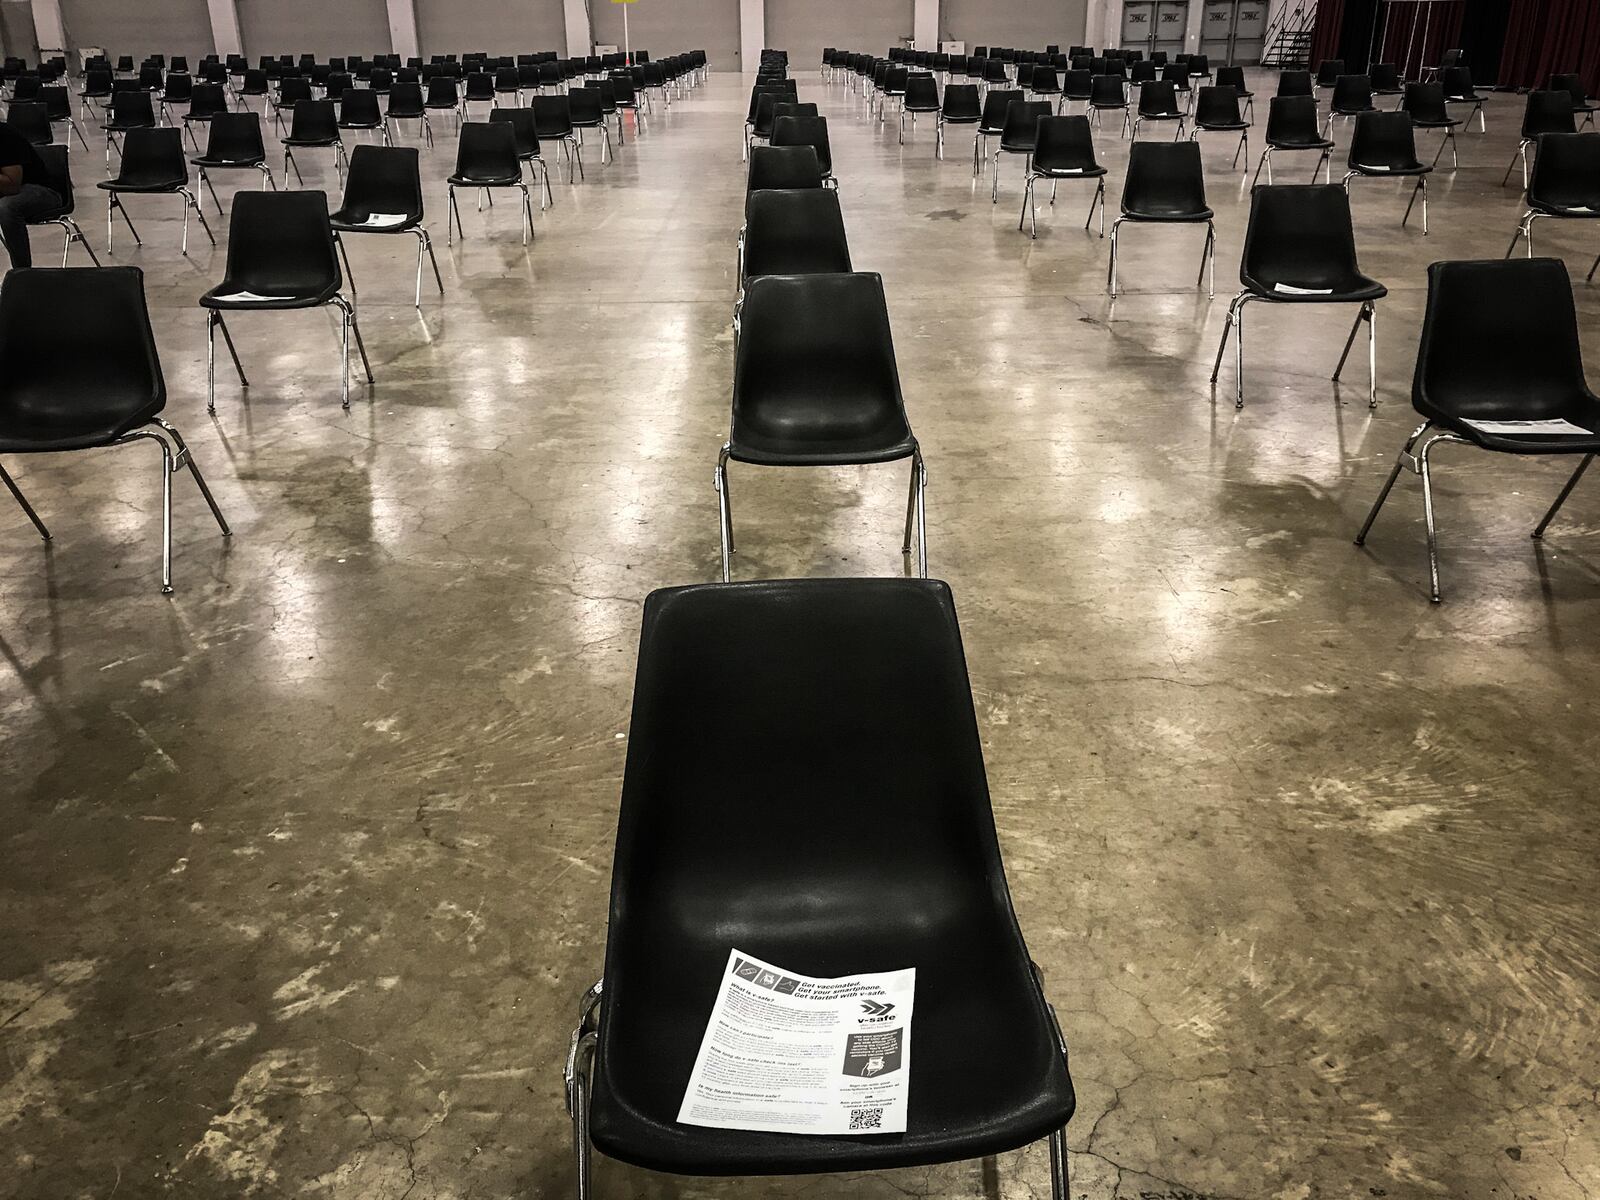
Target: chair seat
1575,212
216,163
1168,215
1450,124
30,433
1174,115
1307,144
987,1075
373,124
1412,168
922,108
1222,126
1350,289
316,143
949,120
351,221
117,185
1582,410
1068,172
497,181
219,297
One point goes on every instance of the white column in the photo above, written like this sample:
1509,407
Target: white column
225,27
753,35
580,37
925,25
1197,20
403,29
48,27
1100,24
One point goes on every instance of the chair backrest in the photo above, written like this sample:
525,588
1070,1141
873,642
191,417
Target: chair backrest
1022,123
1217,105
1384,77
57,102
313,121
961,102
280,244
1573,86
994,71
1424,104
359,106
1294,83
1299,235
153,158
1077,84
1045,81
1548,112
58,175
1177,74
524,129
1566,173
206,100
806,131
97,83
31,119
789,108
1457,83
507,79
815,353
129,109
1329,72
405,100
1292,120
442,91
337,83
293,90
383,179
585,106
236,138
1385,140
1159,98
1106,92
480,86
255,82
1452,58
1499,341
1352,94
487,150
797,232
922,93
48,377
783,168
995,106
1064,144
1143,73
1164,179
552,115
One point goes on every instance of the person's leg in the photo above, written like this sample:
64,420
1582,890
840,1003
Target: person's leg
32,202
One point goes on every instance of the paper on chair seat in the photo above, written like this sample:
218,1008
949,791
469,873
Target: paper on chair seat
1288,289
789,1053
1067,170
248,298
1556,427
384,220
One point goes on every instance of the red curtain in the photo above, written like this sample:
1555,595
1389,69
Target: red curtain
1415,36
1328,32
1545,37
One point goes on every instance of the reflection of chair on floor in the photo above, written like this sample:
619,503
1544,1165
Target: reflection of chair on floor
725,842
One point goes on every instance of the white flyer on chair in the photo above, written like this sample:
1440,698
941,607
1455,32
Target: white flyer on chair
1554,427
790,1053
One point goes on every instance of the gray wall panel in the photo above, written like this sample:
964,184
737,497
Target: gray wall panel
320,27
1020,24
495,26
140,27
666,27
804,27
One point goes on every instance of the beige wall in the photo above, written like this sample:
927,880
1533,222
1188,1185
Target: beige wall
320,27
1023,26
140,27
666,27
495,26
804,27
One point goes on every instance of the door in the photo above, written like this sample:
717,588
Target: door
1171,26
1233,31
1152,25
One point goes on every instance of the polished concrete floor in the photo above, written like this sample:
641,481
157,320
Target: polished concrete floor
306,866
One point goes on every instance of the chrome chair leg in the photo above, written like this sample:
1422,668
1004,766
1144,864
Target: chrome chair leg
1060,1180
344,257
724,511
451,211
214,322
1368,314
1524,230
210,187
1422,190
1562,498
1111,268
917,512
1266,161
1208,258
1099,199
74,234
16,493
425,242
1402,460
1589,278
527,214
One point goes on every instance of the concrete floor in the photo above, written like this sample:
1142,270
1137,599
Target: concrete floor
306,866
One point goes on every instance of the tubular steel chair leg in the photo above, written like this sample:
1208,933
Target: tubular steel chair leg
1208,257
344,355
344,256
1403,459
919,482
1349,341
1562,498
166,500
1111,268
1524,230
1029,207
724,512
1427,513
1060,1180
1244,149
1522,150
452,210
16,493
206,179
186,459
1421,190
1266,161
199,213
1589,278
74,234
290,164
527,214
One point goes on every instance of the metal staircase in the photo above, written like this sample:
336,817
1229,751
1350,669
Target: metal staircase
1288,38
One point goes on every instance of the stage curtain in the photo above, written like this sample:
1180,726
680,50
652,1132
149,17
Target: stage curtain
1418,34
1328,33
1544,37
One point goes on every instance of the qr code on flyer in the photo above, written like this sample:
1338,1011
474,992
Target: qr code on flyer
865,1118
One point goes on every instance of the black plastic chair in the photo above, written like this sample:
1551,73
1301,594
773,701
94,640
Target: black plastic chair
552,117
1329,72
179,91
783,168
358,110
97,86
290,92
1458,89
313,125
235,144
479,89
1547,112
443,97
406,104
129,110
31,119
1352,96
58,109
206,100
960,107
794,232
585,112
921,96
991,123
525,133
1424,104
1107,94
486,158
1384,147
815,384
1296,83
1565,184
254,83
1234,77
1166,185
1499,355
1064,150
1573,86
1384,79
59,175
152,164
1292,125
383,195
808,131
280,256
739,690
1076,85
54,397
1216,110
1019,135
1158,101
1300,248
